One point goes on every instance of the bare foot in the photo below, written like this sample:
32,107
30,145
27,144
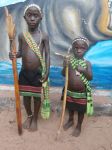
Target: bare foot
27,123
68,125
76,132
33,126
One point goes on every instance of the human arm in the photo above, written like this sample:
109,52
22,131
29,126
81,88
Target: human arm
86,71
65,63
64,66
47,58
12,53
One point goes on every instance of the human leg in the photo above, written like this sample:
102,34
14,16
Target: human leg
77,130
37,103
70,121
27,105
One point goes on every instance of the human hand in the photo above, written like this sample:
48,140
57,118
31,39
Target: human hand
80,69
44,78
12,55
66,60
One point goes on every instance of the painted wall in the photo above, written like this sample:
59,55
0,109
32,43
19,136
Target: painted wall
63,21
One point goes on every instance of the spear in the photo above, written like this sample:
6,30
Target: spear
11,33
65,95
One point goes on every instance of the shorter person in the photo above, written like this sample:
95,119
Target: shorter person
78,92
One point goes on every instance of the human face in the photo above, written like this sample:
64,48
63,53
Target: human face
79,48
33,17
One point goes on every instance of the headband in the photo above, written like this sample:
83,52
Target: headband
81,39
33,5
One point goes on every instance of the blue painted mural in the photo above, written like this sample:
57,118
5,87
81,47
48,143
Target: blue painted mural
9,2
63,21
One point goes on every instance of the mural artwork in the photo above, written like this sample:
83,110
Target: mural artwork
65,20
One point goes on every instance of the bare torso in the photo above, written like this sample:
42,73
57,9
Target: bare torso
75,83
30,61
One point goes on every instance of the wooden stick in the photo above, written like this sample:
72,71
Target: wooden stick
64,102
59,54
11,34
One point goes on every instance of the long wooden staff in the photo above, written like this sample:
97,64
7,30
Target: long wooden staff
64,98
11,34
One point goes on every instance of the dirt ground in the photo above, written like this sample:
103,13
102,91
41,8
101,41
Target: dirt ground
96,130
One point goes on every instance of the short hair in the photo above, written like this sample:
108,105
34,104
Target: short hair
81,39
33,5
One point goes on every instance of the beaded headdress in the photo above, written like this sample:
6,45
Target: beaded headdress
78,39
81,39
33,5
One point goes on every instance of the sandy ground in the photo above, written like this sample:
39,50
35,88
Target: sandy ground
96,130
